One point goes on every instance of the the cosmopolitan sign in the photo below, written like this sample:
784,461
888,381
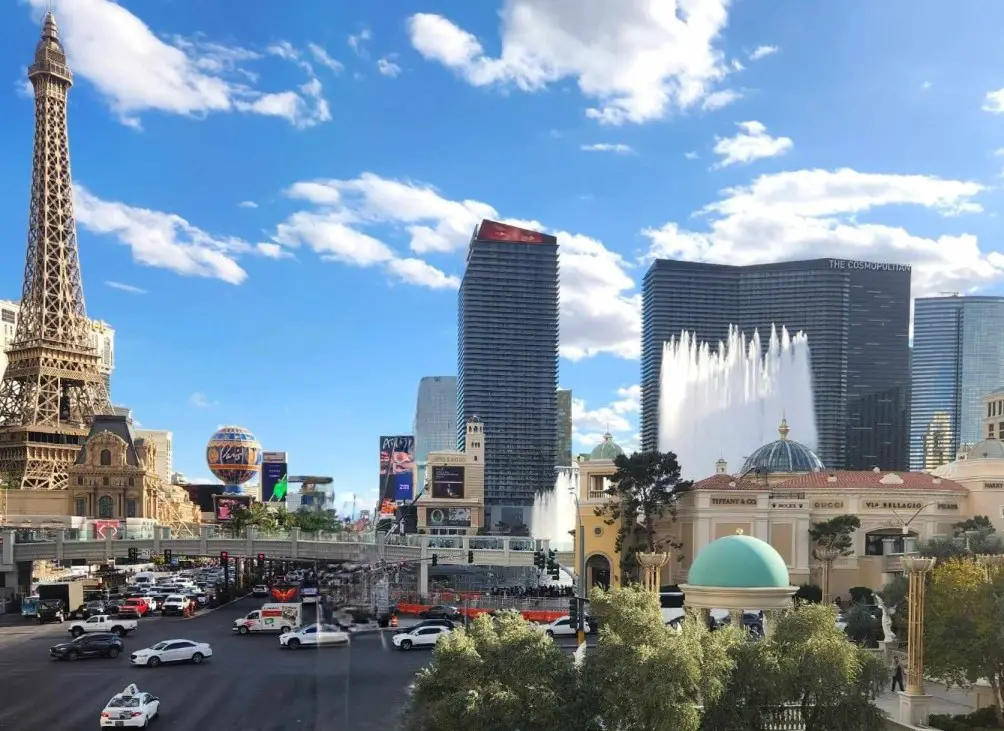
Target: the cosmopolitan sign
869,265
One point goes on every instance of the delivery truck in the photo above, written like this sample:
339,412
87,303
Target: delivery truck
272,617
71,593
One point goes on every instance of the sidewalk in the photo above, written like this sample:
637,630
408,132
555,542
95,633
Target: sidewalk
948,701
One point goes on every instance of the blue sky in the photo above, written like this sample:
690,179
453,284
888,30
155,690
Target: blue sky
274,199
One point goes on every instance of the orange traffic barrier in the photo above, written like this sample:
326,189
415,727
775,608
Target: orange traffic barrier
530,615
393,620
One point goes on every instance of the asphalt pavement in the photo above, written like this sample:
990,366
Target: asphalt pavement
250,684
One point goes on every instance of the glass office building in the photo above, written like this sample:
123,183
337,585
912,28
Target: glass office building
856,315
435,426
507,363
958,358
564,447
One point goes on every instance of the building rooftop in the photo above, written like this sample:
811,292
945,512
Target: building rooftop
784,456
872,480
607,449
987,449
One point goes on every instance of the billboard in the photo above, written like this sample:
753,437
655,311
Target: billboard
495,231
448,482
397,468
273,480
448,517
204,495
226,505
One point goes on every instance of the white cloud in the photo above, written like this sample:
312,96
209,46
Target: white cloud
762,52
24,89
163,240
719,99
608,147
358,40
599,305
926,85
131,289
388,68
199,400
619,418
690,155
638,60
994,102
322,57
751,143
247,204
806,214
136,71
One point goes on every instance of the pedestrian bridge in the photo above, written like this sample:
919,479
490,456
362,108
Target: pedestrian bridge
293,545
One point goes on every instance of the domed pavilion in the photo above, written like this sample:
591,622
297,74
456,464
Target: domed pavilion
608,449
738,572
781,459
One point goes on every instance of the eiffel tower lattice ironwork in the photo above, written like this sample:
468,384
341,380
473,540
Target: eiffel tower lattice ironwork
53,385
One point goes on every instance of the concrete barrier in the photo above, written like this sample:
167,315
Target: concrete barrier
528,615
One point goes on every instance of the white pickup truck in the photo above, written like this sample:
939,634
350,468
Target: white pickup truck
103,623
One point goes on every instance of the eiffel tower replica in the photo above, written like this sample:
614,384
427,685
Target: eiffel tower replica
52,386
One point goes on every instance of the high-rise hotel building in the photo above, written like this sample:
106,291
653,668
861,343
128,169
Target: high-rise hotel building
435,426
958,358
507,364
855,313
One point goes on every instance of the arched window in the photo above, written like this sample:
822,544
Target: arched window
106,458
106,506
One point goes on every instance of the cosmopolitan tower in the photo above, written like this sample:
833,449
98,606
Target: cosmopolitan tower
507,364
53,385
856,315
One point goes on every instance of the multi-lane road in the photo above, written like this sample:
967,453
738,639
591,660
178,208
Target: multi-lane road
250,684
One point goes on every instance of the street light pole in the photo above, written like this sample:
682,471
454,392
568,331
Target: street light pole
580,537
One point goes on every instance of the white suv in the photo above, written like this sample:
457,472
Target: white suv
174,604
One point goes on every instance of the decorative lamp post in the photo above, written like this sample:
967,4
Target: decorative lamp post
915,703
651,563
826,556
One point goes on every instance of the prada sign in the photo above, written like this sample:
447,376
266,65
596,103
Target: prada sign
831,505
733,501
893,506
948,506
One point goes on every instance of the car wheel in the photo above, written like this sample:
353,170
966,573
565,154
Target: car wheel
293,644
283,630
153,662
405,644
113,652
72,655
242,631
550,633
76,632
197,658
163,612
117,631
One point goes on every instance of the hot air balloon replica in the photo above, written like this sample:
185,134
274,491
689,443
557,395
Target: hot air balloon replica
234,456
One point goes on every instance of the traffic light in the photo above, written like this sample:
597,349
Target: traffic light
167,555
261,558
573,612
553,570
224,556
435,560
133,553
538,560
470,557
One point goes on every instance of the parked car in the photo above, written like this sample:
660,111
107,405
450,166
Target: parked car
98,644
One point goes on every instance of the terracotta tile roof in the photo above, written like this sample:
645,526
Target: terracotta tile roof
872,480
727,482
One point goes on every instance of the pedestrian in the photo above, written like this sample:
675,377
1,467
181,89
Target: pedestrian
897,675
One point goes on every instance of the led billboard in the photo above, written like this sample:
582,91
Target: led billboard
397,468
227,505
448,517
273,475
448,482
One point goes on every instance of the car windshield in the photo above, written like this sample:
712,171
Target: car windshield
124,702
159,646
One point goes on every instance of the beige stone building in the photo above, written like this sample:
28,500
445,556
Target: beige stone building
452,502
115,478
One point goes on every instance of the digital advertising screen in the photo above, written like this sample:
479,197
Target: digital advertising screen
448,517
273,476
448,482
397,468
226,505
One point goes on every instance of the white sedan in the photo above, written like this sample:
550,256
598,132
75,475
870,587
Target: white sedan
172,651
562,627
130,708
315,635
419,637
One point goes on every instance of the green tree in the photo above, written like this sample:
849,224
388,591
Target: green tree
831,539
863,627
499,674
963,620
255,515
978,523
312,521
645,488
960,546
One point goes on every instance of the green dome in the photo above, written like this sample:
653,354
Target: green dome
607,449
739,562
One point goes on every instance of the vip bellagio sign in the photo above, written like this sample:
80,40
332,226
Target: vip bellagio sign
874,505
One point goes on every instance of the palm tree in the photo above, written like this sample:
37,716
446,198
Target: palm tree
255,515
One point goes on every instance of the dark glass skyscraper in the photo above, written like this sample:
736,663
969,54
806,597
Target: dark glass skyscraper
564,446
507,369
857,317
958,358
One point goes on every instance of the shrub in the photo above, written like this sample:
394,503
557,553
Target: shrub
809,593
983,719
862,626
862,595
